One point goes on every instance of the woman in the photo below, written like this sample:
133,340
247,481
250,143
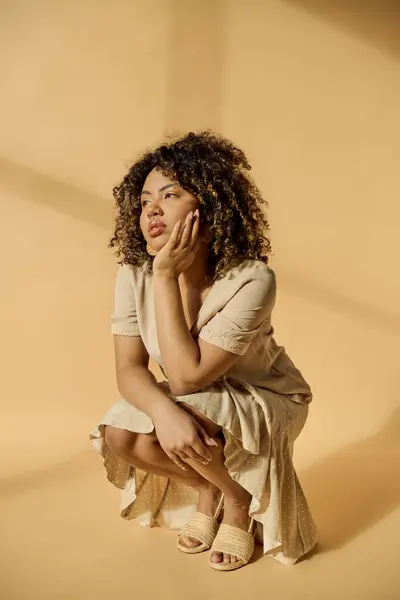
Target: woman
195,294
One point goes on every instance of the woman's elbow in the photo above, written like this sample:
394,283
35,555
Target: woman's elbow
178,389
183,388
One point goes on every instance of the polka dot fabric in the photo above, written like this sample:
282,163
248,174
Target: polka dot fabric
259,430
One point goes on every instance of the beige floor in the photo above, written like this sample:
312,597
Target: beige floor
62,537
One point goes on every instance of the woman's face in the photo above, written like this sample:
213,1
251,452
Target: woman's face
164,203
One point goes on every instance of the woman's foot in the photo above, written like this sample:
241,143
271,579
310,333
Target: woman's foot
236,513
209,497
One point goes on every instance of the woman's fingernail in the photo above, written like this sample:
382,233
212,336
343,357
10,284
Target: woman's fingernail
197,213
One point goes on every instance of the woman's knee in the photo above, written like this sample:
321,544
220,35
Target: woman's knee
127,443
119,441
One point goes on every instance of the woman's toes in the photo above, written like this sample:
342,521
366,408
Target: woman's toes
190,542
216,557
229,558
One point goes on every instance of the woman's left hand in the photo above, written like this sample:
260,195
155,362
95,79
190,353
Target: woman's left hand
180,250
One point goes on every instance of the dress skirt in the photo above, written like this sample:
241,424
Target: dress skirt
260,428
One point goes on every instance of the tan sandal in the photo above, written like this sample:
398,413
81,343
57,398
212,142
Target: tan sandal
202,528
235,541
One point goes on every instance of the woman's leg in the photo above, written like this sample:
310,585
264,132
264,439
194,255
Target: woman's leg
144,452
236,498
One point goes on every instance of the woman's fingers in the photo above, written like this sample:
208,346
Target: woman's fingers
186,234
209,441
190,237
177,460
197,245
187,230
201,449
195,230
173,240
192,454
205,438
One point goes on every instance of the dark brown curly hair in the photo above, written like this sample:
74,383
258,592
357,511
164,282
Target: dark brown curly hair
216,172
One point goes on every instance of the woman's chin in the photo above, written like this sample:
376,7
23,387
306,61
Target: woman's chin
157,244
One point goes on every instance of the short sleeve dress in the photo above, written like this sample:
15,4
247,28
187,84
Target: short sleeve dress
261,404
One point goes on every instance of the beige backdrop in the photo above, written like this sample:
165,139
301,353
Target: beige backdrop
311,90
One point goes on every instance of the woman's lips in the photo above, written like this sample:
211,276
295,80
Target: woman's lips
156,228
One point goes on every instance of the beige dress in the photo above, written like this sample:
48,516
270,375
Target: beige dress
261,403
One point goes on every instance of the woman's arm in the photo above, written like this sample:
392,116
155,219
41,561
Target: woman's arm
178,433
189,365
192,364
136,383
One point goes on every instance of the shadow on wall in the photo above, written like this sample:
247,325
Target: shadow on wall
376,317
349,491
57,195
95,210
355,488
193,102
376,22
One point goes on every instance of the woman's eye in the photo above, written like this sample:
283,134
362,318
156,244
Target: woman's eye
170,194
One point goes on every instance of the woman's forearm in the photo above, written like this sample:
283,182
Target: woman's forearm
138,386
179,351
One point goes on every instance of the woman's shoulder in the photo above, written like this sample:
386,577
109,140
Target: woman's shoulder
133,272
252,269
133,277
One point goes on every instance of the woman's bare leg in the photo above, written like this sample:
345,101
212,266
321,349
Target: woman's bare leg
144,452
236,498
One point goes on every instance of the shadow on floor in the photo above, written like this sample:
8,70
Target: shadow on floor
355,488
62,473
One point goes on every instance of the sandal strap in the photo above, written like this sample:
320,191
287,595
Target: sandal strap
235,541
201,527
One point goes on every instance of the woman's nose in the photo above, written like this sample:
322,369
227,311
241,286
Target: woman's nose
154,209
152,212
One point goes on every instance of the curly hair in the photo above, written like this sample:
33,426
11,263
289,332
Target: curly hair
217,173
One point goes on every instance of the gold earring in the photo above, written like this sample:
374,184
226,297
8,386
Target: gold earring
151,250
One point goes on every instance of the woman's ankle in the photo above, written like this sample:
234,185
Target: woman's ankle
239,497
236,513
203,486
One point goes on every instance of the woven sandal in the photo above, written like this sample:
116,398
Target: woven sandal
202,528
235,541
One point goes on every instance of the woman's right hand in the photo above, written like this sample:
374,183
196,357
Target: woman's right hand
181,437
